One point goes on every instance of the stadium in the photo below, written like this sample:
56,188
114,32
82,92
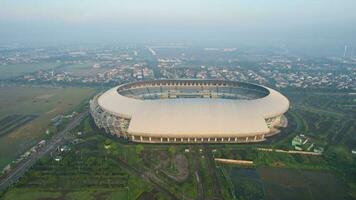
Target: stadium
190,111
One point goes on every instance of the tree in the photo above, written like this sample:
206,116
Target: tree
338,156
171,151
107,142
139,149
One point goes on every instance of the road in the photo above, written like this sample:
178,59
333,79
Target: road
51,144
290,151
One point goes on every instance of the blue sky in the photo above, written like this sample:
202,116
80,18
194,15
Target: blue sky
186,20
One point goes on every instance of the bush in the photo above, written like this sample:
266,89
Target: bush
338,156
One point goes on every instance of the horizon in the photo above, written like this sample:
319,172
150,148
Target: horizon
318,24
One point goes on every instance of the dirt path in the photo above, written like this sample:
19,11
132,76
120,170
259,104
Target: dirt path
212,172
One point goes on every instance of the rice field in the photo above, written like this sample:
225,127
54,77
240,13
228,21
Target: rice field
11,122
42,102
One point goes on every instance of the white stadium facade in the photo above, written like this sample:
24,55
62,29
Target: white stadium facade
190,111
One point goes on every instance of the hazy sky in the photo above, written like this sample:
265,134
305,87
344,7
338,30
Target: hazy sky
199,21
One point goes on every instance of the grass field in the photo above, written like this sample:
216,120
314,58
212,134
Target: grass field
11,122
80,69
45,103
276,183
14,70
83,69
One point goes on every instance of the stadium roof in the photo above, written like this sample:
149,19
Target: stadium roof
205,117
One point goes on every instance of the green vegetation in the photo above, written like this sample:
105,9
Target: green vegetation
83,69
30,194
11,122
266,183
45,103
14,70
99,167
87,171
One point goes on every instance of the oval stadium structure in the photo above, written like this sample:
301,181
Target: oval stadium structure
190,111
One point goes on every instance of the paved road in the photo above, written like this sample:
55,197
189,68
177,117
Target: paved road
51,144
290,151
